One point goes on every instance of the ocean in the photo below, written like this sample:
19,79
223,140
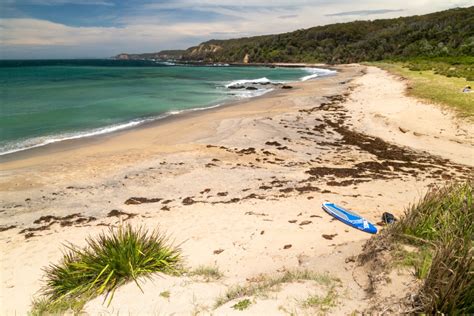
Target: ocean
43,101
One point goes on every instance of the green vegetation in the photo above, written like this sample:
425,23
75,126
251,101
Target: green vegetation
165,294
460,67
208,273
45,306
442,226
440,81
322,303
107,262
442,215
420,260
441,34
241,305
267,283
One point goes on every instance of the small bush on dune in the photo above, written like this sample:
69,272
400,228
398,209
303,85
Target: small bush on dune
443,221
442,215
449,286
108,261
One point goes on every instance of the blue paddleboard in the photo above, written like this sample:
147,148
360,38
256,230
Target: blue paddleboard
349,218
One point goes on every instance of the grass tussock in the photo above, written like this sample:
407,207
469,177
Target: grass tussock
107,262
209,273
269,283
442,226
434,84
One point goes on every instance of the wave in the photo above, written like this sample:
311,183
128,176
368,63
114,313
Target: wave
259,81
309,77
317,72
314,73
166,63
239,87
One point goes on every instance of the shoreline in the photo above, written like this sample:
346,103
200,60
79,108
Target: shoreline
81,140
77,143
238,187
72,144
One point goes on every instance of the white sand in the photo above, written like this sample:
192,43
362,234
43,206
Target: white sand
389,114
174,161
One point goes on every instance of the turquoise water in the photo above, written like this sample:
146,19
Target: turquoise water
44,102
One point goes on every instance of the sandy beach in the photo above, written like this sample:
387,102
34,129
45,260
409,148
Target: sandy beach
239,188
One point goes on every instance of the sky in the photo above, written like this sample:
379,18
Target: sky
31,29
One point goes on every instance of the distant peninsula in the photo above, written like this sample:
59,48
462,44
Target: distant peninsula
174,54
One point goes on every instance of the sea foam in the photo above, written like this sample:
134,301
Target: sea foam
244,82
317,72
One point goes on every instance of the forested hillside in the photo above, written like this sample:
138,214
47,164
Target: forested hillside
440,34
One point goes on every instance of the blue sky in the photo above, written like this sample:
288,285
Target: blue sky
103,28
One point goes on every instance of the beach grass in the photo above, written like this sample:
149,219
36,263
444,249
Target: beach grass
242,305
437,86
420,259
209,273
321,303
441,226
45,306
265,284
108,261
443,214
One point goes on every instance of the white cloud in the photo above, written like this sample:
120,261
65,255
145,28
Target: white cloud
26,32
142,33
58,2
28,35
